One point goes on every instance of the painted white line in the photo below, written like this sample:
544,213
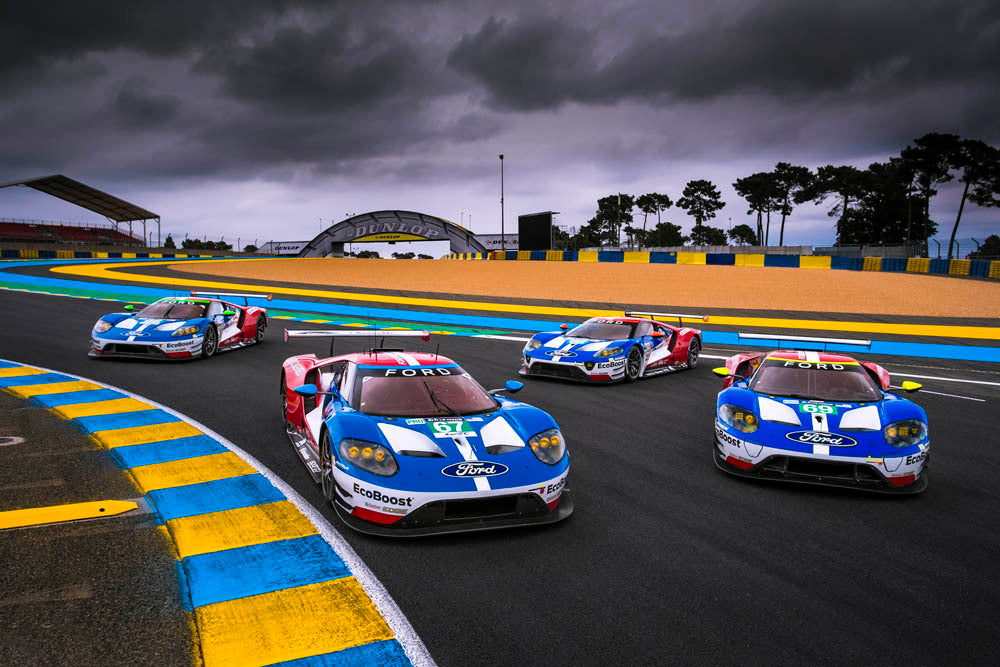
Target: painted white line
522,340
938,393
393,615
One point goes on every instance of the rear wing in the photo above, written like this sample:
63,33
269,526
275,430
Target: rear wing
806,339
334,334
246,297
355,333
680,317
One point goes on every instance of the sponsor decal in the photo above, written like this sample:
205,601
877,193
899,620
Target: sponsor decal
814,438
549,489
560,353
726,438
312,465
396,228
416,422
791,401
138,334
474,469
379,497
817,408
175,346
916,458
818,365
452,429
414,372
612,364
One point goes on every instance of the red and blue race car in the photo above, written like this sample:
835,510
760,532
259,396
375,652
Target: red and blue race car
408,443
609,349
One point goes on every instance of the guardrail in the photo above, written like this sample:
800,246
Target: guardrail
977,268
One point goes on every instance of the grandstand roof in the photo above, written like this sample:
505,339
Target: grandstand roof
89,198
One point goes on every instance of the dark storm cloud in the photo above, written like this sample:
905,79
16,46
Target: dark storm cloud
134,104
790,49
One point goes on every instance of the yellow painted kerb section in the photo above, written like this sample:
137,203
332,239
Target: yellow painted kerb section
190,471
242,527
289,624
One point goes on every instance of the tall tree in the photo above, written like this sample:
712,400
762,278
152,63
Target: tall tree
706,235
701,199
613,212
980,167
652,202
756,189
743,234
790,181
846,182
930,159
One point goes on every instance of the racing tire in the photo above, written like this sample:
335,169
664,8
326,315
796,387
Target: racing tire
326,479
633,364
210,343
284,400
694,349
259,333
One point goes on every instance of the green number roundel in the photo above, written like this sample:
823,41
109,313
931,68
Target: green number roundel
817,408
455,427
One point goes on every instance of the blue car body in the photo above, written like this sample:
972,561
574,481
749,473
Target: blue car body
830,442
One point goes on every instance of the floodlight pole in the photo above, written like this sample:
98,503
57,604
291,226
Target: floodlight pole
503,237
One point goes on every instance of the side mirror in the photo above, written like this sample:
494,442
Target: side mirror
722,372
130,307
564,326
228,313
910,387
510,386
307,390
657,334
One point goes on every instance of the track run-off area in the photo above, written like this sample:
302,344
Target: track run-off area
665,560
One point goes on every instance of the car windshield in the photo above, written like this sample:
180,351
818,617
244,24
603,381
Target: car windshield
819,381
602,329
170,309
419,392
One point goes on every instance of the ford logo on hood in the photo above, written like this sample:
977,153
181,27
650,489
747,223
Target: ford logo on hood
560,353
814,438
474,469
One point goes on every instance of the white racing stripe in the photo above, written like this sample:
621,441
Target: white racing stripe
465,449
410,359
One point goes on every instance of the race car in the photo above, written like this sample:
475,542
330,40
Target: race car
408,443
180,327
819,418
609,349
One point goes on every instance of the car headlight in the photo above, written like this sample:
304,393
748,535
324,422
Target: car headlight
548,446
905,433
610,351
739,418
533,344
368,456
102,326
185,331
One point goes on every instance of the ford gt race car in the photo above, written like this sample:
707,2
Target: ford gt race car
408,443
180,327
608,349
819,418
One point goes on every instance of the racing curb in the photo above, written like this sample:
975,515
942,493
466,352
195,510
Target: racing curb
266,578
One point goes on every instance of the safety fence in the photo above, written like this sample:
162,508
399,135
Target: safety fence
956,267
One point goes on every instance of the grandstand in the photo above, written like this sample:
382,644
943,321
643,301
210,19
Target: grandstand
48,231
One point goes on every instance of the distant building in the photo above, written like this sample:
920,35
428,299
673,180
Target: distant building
492,241
282,247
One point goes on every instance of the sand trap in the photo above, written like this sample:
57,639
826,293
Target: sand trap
762,288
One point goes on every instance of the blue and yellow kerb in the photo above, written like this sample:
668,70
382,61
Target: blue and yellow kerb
263,585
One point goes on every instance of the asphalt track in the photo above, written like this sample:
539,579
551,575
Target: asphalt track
666,560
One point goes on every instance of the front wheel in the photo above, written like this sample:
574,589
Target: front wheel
210,342
694,349
633,364
326,467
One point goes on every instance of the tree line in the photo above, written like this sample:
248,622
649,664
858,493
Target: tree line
887,203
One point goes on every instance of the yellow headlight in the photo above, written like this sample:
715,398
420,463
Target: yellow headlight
749,419
891,431
353,452
380,456
366,453
543,443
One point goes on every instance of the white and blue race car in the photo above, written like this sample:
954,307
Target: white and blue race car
819,418
180,327
609,349
408,443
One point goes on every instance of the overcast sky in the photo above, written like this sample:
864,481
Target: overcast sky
269,119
